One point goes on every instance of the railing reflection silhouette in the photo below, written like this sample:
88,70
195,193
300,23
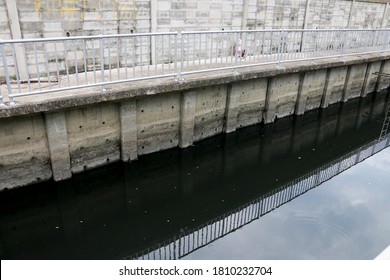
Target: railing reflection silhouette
190,240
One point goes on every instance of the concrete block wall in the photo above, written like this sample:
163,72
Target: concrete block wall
367,15
53,18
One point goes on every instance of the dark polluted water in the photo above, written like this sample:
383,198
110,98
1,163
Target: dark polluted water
309,187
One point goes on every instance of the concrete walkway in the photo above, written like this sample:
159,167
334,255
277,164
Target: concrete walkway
41,102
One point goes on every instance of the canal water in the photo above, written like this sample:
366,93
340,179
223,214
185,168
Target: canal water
310,187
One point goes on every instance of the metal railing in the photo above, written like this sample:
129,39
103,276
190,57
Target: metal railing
37,66
184,243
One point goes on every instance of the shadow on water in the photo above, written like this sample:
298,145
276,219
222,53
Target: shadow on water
167,204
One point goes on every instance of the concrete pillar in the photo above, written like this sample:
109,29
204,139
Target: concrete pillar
370,80
305,23
306,14
128,126
383,81
57,137
232,106
187,118
244,15
16,33
302,95
350,14
385,19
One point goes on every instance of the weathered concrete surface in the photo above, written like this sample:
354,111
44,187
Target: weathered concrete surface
139,118
158,121
24,153
57,137
245,103
354,81
281,97
210,111
128,124
187,118
334,87
93,136
311,91
371,80
252,102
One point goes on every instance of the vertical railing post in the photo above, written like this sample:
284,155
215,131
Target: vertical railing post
175,63
181,56
279,44
385,40
102,61
235,50
343,36
6,73
280,49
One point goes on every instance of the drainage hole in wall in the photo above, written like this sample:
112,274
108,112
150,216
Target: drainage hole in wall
202,119
201,133
28,138
107,140
217,100
103,122
142,111
39,179
170,141
80,126
172,125
85,167
108,159
173,107
143,147
142,131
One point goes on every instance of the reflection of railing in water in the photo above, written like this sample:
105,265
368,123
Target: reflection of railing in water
191,240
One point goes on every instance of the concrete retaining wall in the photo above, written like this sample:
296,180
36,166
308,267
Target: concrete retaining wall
57,142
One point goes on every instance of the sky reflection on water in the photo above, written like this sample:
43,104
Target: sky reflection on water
347,217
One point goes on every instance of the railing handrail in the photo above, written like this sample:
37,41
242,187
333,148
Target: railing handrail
70,38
